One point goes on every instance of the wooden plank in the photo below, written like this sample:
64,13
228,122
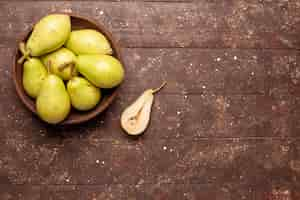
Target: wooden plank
203,162
240,24
244,71
60,192
281,67
120,191
240,163
145,191
295,113
278,170
238,116
187,71
194,191
255,166
283,71
295,77
258,24
162,191
116,191
73,162
169,1
20,192
282,24
206,24
236,167
197,71
135,24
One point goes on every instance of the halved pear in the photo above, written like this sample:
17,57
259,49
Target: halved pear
136,117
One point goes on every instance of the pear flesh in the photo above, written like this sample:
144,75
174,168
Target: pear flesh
103,71
61,63
49,34
88,41
136,117
53,102
84,96
34,73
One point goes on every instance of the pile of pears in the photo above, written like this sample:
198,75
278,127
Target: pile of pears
66,68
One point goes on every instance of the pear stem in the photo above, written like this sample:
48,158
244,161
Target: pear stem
65,65
48,66
160,87
25,52
68,64
22,48
72,70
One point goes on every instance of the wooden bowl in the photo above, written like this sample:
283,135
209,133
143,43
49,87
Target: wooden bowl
75,117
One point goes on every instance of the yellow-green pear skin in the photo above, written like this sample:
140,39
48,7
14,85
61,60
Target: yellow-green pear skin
84,96
61,63
103,71
34,73
49,34
53,102
88,41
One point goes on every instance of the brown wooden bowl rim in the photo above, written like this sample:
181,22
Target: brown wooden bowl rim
103,104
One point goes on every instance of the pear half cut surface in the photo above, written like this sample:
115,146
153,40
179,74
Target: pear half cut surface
136,117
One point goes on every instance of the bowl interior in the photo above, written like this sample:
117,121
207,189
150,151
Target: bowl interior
75,116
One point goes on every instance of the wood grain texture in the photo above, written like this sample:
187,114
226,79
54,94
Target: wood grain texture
232,97
226,127
259,24
193,71
139,24
206,24
237,167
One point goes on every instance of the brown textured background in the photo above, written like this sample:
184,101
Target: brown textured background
226,127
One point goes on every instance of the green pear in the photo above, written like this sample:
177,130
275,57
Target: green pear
103,71
53,102
88,41
34,72
61,63
84,96
49,34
